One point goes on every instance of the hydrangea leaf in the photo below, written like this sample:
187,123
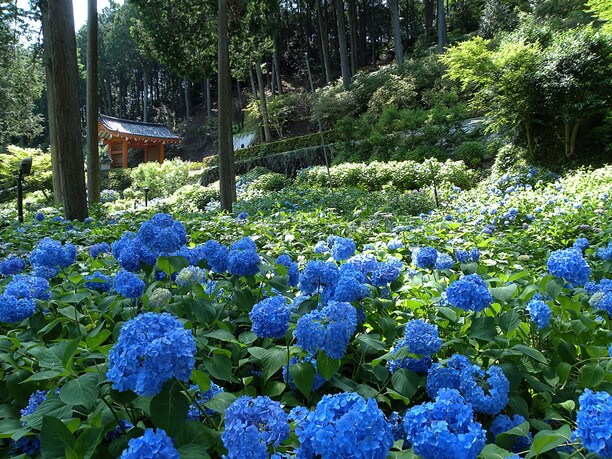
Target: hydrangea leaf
326,365
55,438
547,440
169,408
81,391
591,375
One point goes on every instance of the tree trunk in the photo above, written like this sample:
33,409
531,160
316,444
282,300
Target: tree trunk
62,44
397,32
187,101
324,42
55,161
255,98
122,92
93,155
441,27
240,102
573,138
344,59
273,80
276,63
352,16
145,95
429,16
263,104
529,140
208,100
227,172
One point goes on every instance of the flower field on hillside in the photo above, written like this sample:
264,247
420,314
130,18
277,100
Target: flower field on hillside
480,329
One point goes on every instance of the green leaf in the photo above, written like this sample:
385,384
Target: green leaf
504,293
87,442
530,352
483,328
169,408
326,366
171,265
303,375
492,451
220,402
54,438
69,351
591,375
196,433
272,361
203,310
406,382
553,288
547,440
222,335
94,342
53,406
81,391
220,367
201,379
509,320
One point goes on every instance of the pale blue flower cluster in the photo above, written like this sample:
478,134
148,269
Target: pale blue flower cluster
343,425
420,338
160,297
469,293
569,264
252,425
594,421
12,265
153,444
444,429
49,256
328,329
540,312
601,295
151,349
270,317
190,275
128,285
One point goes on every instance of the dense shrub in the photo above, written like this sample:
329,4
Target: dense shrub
38,180
193,197
161,179
396,92
272,181
471,153
115,179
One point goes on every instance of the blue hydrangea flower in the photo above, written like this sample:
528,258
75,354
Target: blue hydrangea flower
190,275
329,329
503,423
350,287
310,358
601,295
246,243
605,253
25,445
444,261
318,277
201,398
14,309
365,263
39,216
128,285
321,247
343,425
386,272
98,281
152,348
153,444
252,425
581,244
495,398
215,255
424,257
162,234
12,265
33,402
570,265
292,267
420,338
594,421
540,312
469,293
52,254
444,429
270,317
395,244
243,262
242,216
447,376
342,248
98,249
463,256
31,287
130,252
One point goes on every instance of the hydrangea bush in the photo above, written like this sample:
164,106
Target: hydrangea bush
478,330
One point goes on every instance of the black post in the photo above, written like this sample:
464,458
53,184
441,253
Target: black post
146,190
20,196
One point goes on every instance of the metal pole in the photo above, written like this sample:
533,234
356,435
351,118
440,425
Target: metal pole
20,197
146,191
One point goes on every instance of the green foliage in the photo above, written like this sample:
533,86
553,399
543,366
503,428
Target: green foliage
115,179
193,197
271,181
288,108
161,179
286,145
471,153
39,179
396,92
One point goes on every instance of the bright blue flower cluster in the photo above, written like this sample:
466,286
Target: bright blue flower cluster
329,329
162,234
201,398
153,444
540,312
39,216
215,255
420,338
503,423
33,402
30,287
424,257
449,376
13,309
463,256
605,253
343,248
386,272
570,265
292,268
243,259
444,261
601,295
474,379
343,425
98,281
98,249
152,348
350,286
50,255
444,429
469,293
128,285
12,265
253,424
190,275
130,252
581,244
310,358
319,277
270,317
594,421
